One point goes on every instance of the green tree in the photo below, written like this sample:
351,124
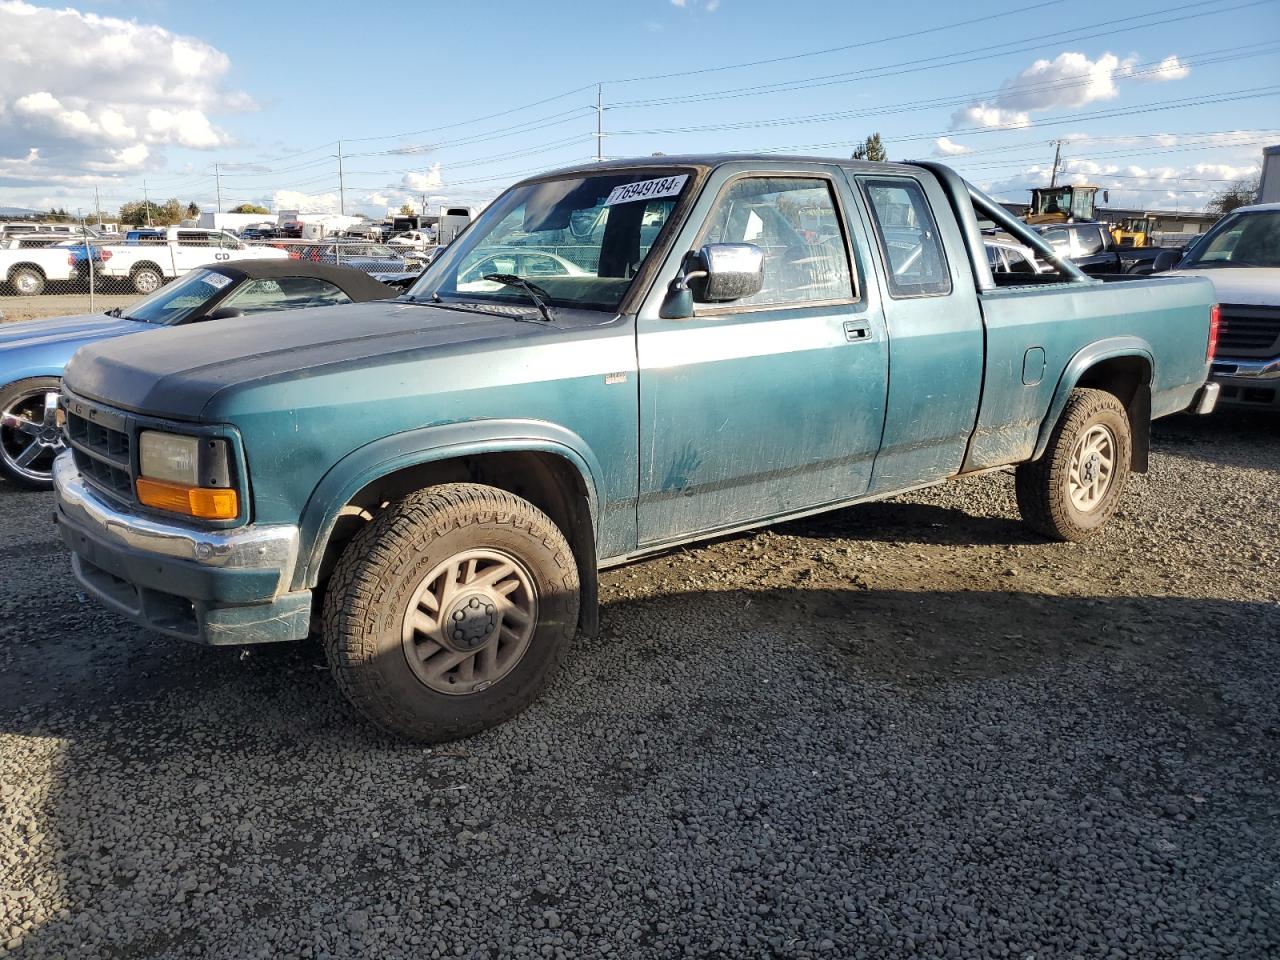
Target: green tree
1239,193
134,213
193,211
172,212
406,210
871,149
249,208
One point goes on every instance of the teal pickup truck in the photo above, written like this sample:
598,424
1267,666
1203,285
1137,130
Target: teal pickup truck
611,360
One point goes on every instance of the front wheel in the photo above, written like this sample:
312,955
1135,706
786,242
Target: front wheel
1070,492
448,613
27,281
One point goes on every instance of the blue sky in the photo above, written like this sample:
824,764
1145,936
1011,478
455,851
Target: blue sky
1160,102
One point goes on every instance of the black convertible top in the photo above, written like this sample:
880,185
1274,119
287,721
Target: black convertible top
360,287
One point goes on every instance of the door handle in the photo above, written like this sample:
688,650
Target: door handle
856,331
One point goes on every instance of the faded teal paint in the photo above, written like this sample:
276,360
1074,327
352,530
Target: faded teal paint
935,371
1033,364
757,411
296,432
679,428
388,455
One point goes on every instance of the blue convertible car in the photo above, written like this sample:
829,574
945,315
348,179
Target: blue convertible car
33,353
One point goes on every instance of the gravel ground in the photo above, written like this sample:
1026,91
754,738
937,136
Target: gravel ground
905,729
60,305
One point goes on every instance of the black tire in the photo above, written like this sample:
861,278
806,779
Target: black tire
27,281
147,279
1044,487
37,475
372,591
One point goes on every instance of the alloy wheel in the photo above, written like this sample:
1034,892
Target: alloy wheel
30,436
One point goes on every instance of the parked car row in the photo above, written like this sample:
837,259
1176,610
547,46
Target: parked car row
34,353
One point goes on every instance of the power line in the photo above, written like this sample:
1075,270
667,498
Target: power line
1015,11
927,63
1138,72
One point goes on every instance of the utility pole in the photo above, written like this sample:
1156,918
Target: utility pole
97,205
599,122
88,251
342,190
146,202
217,178
1057,155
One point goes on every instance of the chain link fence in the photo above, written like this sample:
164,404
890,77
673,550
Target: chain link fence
53,270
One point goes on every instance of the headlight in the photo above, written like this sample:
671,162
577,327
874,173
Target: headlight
168,456
187,475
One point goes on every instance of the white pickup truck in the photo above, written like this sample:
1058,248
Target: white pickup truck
146,263
26,268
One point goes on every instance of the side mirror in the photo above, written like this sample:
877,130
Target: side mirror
727,271
225,313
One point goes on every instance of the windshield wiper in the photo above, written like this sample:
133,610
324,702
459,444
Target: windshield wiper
531,289
113,312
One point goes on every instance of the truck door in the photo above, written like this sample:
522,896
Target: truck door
771,404
935,326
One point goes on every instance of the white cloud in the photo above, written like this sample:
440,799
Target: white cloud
1170,68
946,147
678,3
1070,80
429,179
1187,187
96,92
712,6
982,115
304,202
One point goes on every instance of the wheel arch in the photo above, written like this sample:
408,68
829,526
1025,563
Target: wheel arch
1123,366
144,264
25,265
547,465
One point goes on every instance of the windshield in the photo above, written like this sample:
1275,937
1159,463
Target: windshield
175,302
582,239
1240,240
366,250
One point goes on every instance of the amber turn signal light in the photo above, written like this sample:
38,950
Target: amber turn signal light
206,503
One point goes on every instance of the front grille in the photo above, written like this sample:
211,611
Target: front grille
1249,331
100,445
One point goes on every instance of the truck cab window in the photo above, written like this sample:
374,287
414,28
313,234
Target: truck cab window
285,293
795,222
1089,240
908,235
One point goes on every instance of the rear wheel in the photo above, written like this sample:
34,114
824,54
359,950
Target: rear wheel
28,281
449,611
29,433
1070,492
147,279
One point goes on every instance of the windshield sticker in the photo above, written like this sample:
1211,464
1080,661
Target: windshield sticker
215,280
647,190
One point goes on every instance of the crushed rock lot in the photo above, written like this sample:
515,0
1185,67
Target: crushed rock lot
907,729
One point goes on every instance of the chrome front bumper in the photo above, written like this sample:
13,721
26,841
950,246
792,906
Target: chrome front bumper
212,586
1247,369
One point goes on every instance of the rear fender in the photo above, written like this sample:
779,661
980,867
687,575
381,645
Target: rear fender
1139,408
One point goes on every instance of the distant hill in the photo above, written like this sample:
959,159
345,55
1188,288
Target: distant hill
19,212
